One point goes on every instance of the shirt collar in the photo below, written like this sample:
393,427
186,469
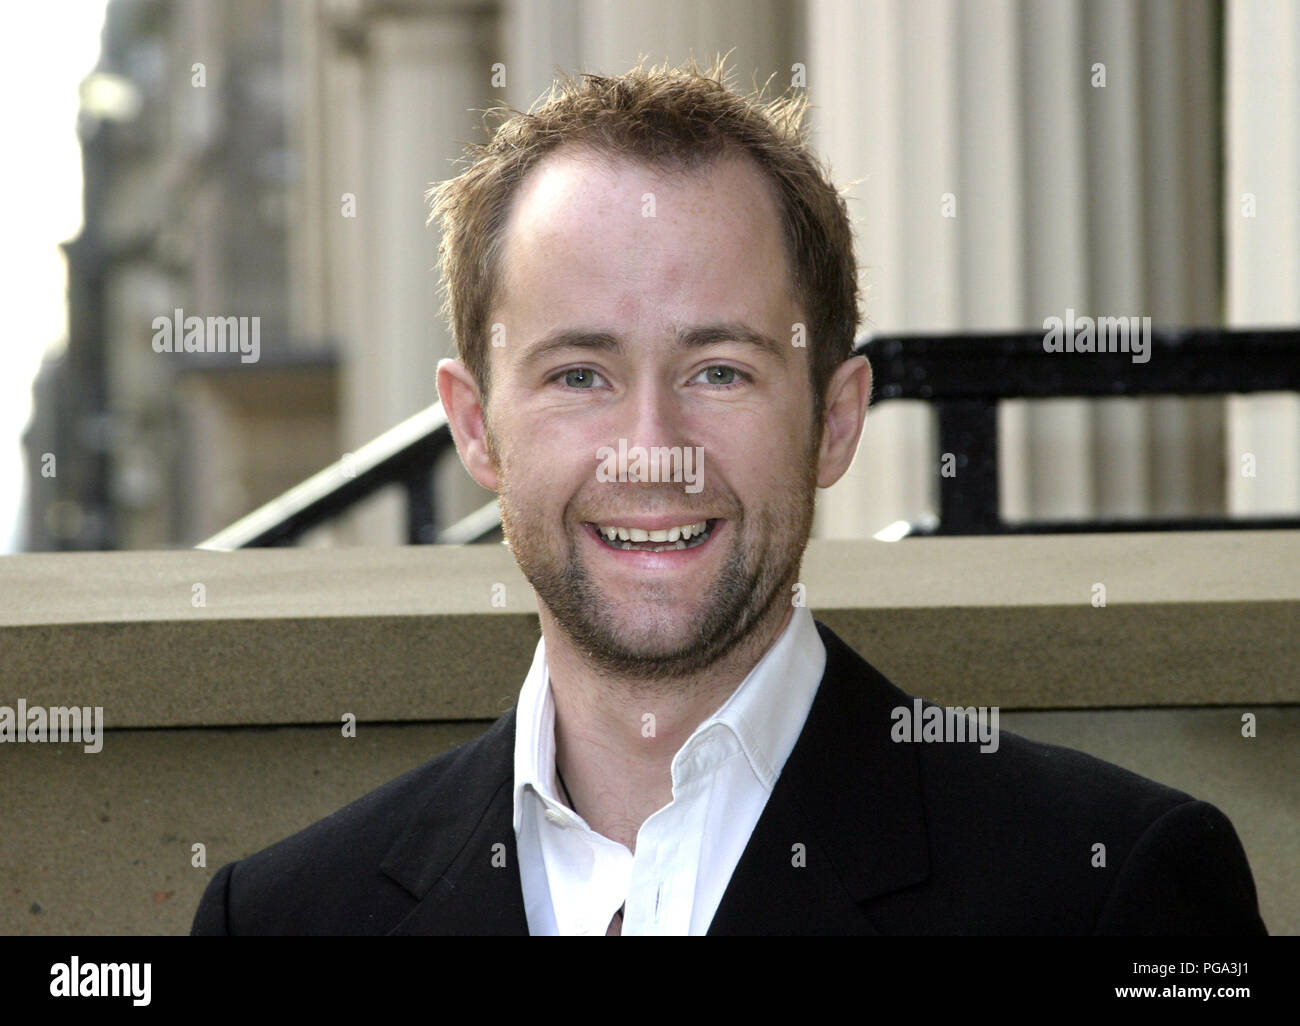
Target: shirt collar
535,736
765,714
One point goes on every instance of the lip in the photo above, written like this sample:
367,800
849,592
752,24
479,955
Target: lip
661,523
669,559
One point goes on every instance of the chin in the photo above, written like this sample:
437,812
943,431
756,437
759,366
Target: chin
652,631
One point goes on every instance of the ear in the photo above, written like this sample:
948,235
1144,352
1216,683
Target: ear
846,412
460,399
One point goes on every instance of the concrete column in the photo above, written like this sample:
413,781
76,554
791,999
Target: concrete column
1180,125
858,128
1117,248
1262,221
763,35
308,60
400,90
991,215
422,76
539,36
1054,77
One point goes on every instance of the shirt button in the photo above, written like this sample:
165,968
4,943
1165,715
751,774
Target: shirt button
558,818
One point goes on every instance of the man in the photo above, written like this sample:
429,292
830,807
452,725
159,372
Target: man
654,265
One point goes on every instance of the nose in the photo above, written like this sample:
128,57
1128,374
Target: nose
652,418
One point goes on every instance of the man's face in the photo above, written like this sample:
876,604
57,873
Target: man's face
618,251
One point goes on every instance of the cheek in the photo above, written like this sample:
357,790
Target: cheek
768,467
546,470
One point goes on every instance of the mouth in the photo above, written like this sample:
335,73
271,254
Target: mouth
684,537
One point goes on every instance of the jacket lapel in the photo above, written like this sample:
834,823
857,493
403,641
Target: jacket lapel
844,823
457,856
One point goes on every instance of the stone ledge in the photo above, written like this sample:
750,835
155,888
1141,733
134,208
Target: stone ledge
290,636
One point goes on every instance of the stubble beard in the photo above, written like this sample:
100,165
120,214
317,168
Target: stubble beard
762,562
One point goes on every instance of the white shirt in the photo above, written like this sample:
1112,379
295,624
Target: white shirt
575,879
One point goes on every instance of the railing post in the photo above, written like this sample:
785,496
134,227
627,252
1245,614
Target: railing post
420,526
968,500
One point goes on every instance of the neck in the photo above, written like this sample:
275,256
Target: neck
615,738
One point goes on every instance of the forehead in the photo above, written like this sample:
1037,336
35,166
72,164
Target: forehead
606,238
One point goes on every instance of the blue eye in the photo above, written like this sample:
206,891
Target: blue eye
583,379
582,373
736,375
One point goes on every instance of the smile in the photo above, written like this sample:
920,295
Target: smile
671,539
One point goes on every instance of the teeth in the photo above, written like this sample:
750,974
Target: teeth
684,533
662,548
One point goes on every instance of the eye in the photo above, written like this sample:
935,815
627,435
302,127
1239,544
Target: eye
577,378
729,376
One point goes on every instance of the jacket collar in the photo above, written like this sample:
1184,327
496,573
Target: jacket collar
844,824
850,797
457,855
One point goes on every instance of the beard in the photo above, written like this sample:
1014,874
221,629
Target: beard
646,638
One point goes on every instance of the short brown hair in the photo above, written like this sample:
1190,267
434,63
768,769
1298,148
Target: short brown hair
671,119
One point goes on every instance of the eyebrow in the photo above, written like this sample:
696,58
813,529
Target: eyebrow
696,337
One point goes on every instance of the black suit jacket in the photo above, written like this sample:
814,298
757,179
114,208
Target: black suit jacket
898,838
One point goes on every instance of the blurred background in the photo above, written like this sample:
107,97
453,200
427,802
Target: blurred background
1010,160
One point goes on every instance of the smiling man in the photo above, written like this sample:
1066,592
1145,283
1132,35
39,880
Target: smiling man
651,306
653,263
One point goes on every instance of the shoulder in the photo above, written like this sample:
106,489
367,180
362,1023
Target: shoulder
1029,837
964,766
1093,847
329,877
1025,781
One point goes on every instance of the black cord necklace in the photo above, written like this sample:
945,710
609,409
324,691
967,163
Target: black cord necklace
569,798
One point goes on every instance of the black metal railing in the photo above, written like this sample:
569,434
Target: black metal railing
966,376
963,376
404,455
